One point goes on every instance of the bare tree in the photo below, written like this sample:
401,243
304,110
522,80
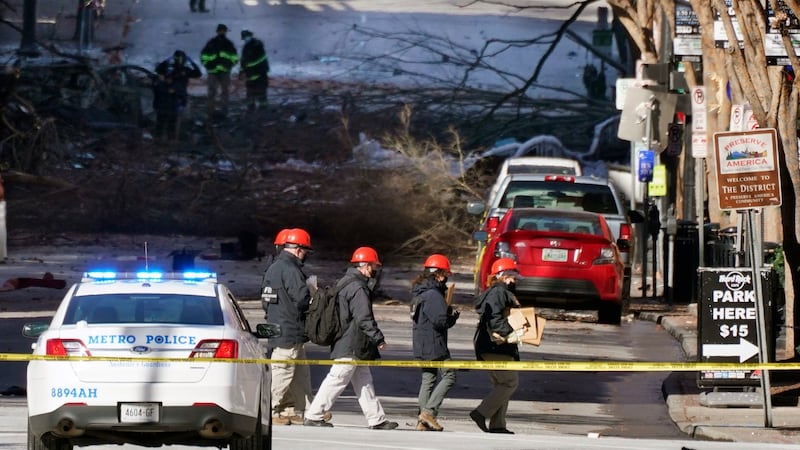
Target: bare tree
742,65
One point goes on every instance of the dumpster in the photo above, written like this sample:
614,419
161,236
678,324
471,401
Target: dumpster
686,260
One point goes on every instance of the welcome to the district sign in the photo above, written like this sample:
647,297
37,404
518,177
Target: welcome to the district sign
747,169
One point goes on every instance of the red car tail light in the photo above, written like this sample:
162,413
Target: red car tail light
625,235
503,250
216,348
607,256
66,347
491,224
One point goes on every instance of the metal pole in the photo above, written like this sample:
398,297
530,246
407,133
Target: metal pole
699,176
755,258
649,142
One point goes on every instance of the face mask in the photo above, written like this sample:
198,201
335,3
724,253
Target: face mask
512,286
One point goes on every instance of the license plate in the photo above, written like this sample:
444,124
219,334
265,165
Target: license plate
138,412
554,254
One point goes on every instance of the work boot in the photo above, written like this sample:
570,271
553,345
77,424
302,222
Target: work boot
430,421
479,420
317,423
281,420
421,426
296,419
385,425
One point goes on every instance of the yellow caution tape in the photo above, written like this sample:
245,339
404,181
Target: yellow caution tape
528,366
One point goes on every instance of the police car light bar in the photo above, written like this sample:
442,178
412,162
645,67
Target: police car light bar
106,275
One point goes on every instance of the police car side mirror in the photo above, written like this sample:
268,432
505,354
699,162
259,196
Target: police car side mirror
267,330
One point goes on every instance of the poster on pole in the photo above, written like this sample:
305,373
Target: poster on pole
747,169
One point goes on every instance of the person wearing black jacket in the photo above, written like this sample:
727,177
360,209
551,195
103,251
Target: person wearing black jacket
255,71
285,297
362,340
218,57
431,317
170,92
496,340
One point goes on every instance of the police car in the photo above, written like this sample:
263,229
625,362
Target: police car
154,382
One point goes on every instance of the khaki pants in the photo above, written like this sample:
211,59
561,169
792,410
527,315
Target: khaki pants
221,82
291,384
335,382
504,383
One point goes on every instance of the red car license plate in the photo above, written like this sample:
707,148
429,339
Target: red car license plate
554,254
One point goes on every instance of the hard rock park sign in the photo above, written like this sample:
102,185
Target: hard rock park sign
747,169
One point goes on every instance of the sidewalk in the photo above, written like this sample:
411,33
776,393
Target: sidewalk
723,424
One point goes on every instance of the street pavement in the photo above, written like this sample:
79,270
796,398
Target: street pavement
68,257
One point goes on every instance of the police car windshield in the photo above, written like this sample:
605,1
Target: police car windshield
144,308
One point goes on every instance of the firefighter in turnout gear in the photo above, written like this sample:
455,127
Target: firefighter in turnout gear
218,57
255,71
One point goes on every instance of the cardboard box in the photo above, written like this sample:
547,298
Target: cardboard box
526,317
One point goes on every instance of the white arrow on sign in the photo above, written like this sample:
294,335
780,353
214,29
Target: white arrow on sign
744,350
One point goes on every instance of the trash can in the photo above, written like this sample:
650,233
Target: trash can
686,261
710,237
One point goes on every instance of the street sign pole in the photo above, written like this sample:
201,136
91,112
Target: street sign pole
755,257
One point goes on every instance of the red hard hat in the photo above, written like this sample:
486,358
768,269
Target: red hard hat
298,237
502,265
280,238
437,261
365,255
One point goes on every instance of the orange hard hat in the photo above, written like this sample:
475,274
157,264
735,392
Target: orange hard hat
365,255
437,261
280,238
503,265
298,237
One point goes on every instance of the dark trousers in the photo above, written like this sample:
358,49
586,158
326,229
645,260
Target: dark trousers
256,94
197,5
166,125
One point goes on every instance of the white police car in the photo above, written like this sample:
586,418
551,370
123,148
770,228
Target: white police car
135,396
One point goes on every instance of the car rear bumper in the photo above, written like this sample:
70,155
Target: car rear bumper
568,292
189,425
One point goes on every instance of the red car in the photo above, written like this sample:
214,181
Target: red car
565,258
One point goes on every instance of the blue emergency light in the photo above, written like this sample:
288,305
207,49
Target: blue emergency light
108,275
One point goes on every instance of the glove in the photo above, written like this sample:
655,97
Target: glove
311,282
452,316
515,336
497,339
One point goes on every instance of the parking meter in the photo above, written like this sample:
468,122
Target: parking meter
653,220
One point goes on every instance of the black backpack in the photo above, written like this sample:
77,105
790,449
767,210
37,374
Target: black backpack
323,325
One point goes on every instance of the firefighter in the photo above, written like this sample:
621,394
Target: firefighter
219,57
255,71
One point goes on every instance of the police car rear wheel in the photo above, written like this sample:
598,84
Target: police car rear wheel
47,442
253,442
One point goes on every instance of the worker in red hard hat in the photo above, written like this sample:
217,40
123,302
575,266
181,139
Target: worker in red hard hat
496,340
431,317
362,340
285,296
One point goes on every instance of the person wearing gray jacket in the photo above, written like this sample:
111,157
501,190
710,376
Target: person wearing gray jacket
362,340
